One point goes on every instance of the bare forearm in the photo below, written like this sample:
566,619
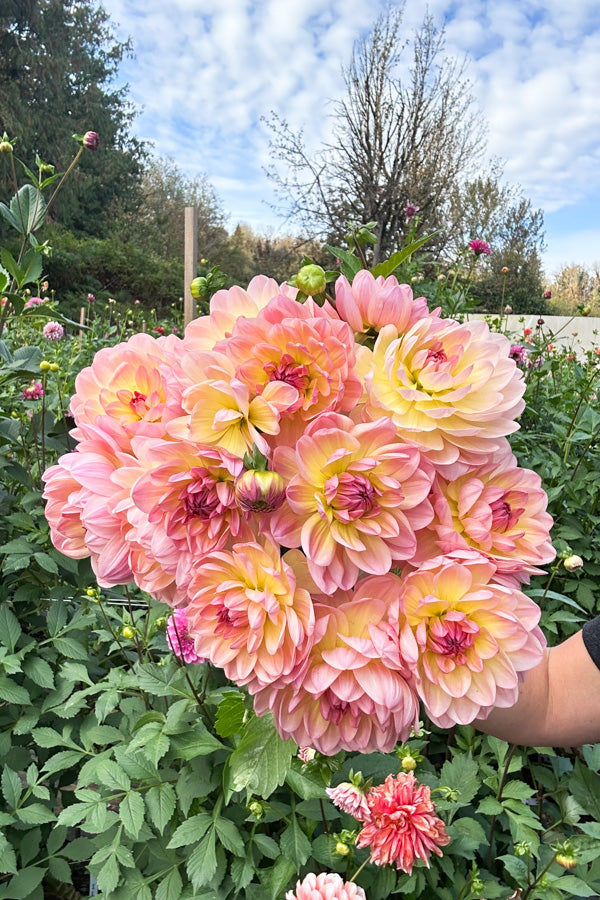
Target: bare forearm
559,702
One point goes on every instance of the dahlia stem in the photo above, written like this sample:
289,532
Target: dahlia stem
359,870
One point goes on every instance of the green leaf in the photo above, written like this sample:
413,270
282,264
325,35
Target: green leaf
349,264
517,790
278,877
242,871
70,647
575,886
48,737
11,786
131,811
467,835
35,814
323,850
267,846
294,843
230,836
461,774
585,787
396,259
160,802
230,715
112,776
8,860
108,876
10,630
190,831
196,742
261,760
8,216
31,267
202,863
308,787
39,671
13,692
45,562
170,887
56,617
516,868
28,208
24,883
60,869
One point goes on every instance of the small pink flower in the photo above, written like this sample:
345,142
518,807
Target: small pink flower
33,392
410,210
350,799
33,301
326,886
478,247
519,354
402,825
179,638
306,754
369,303
91,298
91,140
53,331
547,295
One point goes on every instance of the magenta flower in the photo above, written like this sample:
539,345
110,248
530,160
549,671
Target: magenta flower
91,140
326,886
402,825
34,301
479,247
33,392
91,298
410,210
179,638
53,331
519,354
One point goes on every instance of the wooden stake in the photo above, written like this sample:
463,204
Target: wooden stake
190,262
81,322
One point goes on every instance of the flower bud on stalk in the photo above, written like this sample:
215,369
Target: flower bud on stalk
199,288
259,491
311,280
571,563
91,140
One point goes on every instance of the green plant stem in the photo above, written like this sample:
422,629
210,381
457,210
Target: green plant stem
359,870
511,753
531,887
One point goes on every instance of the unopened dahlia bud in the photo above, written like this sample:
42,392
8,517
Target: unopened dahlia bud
342,849
306,754
91,140
571,563
409,764
505,270
6,147
566,860
199,288
311,280
257,491
586,310
128,632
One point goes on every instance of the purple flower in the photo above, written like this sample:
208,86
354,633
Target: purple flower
410,210
519,354
91,298
53,331
179,639
34,301
478,246
33,391
91,140
547,295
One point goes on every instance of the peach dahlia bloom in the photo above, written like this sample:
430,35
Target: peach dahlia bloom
498,509
355,496
402,825
475,637
247,615
326,886
450,388
126,384
354,691
369,303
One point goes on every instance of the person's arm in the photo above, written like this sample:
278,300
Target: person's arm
559,700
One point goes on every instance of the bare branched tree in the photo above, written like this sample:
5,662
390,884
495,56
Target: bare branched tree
400,136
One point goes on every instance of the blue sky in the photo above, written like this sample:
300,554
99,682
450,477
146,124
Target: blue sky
205,71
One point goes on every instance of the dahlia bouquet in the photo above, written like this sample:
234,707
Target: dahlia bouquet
325,494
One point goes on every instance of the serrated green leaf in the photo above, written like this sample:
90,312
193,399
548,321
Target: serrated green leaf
294,843
11,786
70,647
242,871
396,259
56,617
585,787
202,864
39,671
230,715
261,760
267,846
48,737
170,887
278,877
10,630
467,835
160,802
24,883
60,869
190,831
108,876
323,850
8,859
196,742
349,264
575,886
112,776
131,811
35,814
45,562
517,790
229,836
28,208
306,786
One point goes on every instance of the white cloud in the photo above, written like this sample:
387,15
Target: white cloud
219,65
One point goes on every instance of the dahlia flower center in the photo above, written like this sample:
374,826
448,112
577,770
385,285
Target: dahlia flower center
201,500
351,496
452,638
436,357
138,403
289,371
503,515
335,710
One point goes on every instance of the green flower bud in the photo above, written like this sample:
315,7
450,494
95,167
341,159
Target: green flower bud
342,849
128,632
45,365
311,280
6,147
409,764
571,563
199,288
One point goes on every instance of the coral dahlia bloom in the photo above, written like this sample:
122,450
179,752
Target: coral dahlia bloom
326,886
369,303
248,616
475,637
350,799
449,388
402,825
498,509
354,498
354,692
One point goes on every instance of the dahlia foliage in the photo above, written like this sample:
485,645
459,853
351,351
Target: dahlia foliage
329,494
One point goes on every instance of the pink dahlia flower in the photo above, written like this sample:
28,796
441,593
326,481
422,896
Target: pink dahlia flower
451,389
326,886
33,391
248,616
53,331
188,495
476,637
350,799
369,303
354,691
498,509
402,825
125,383
355,496
479,247
179,638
